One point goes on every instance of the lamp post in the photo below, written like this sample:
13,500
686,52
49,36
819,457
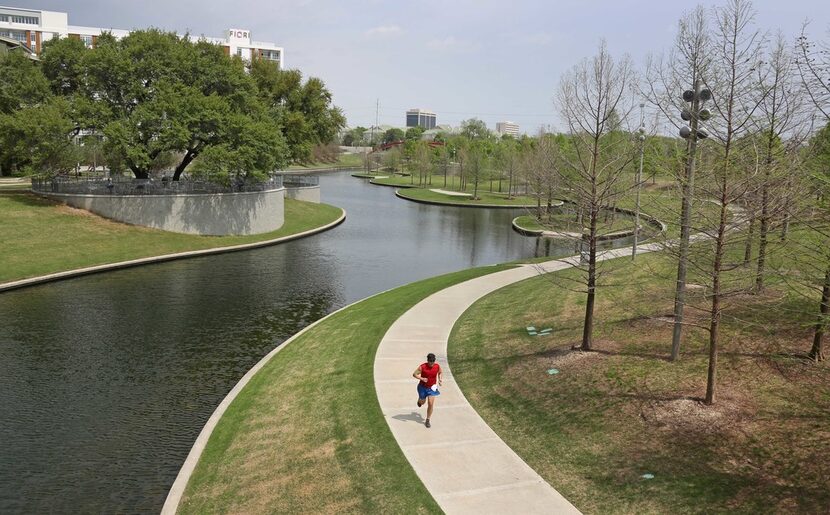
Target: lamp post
693,114
642,138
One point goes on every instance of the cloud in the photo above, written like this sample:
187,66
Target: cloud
383,31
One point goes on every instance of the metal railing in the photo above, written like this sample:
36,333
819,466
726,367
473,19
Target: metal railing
127,186
300,181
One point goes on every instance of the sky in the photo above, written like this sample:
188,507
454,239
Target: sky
492,60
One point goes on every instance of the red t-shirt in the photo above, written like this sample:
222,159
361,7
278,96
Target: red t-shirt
431,374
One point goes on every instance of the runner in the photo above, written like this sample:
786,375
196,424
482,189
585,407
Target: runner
429,379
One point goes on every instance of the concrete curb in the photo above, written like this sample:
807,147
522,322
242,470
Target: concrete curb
453,204
59,276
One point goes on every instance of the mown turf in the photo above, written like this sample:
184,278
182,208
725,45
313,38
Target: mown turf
41,237
610,416
567,222
307,434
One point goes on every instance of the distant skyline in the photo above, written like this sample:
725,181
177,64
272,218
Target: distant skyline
461,59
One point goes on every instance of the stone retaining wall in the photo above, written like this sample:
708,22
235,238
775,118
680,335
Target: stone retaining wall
214,214
304,193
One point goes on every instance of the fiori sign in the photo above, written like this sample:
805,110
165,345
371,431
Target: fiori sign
239,34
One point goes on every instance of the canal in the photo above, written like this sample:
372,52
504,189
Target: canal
106,380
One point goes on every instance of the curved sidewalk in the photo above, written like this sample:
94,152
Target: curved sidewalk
463,463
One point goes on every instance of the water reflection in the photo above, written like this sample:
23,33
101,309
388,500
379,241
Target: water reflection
106,380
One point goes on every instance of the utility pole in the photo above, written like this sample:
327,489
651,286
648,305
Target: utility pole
642,138
696,98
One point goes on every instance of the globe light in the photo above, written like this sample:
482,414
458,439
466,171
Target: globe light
705,114
688,95
702,133
705,94
685,132
685,115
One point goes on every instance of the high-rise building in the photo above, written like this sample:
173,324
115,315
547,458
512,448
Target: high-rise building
420,118
34,27
510,128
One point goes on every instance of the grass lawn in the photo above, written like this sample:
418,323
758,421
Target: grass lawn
612,415
307,435
41,237
344,161
567,222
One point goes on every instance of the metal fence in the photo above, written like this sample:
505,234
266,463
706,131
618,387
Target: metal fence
126,186
300,181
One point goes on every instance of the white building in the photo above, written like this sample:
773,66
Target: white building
33,27
420,118
510,128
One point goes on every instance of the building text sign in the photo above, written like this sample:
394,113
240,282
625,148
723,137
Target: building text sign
239,34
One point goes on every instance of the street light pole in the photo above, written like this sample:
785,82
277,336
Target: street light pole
696,98
642,138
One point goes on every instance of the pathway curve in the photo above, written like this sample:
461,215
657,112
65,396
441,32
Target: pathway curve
463,463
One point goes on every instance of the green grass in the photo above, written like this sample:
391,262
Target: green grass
567,222
307,435
610,416
484,198
343,161
42,237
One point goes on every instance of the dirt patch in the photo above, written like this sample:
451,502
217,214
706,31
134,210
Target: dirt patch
65,209
563,357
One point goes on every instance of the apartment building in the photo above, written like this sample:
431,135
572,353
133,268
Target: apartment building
34,27
510,128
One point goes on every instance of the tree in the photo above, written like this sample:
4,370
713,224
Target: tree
736,97
36,140
392,159
478,159
587,96
354,137
62,64
392,135
475,129
302,109
22,84
414,133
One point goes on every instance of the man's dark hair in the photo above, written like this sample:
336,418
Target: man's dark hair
431,357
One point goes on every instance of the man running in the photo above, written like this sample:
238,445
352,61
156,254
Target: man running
428,374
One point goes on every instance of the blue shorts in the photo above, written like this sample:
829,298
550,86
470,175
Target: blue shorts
426,391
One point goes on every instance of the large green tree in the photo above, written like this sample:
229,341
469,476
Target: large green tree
303,109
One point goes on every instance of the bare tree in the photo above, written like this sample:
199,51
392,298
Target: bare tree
736,98
783,124
587,96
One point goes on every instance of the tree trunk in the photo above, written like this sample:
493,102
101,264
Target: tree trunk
188,158
140,173
763,231
817,351
748,244
588,325
714,324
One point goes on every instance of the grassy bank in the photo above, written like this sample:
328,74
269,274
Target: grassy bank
307,434
608,417
42,237
567,222
343,161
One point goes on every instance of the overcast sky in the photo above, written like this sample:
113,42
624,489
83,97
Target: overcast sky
495,60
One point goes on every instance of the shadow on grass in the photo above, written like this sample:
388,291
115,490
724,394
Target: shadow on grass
27,198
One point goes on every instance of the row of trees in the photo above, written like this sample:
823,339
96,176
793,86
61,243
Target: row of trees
751,164
154,100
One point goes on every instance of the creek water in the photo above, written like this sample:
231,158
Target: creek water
106,380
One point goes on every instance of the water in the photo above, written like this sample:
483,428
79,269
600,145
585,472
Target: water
106,380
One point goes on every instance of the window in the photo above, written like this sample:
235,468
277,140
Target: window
4,17
239,52
29,20
14,34
87,40
271,55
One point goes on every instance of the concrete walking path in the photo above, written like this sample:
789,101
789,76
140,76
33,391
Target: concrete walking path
462,462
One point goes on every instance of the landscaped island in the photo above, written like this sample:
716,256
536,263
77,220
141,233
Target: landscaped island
43,237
